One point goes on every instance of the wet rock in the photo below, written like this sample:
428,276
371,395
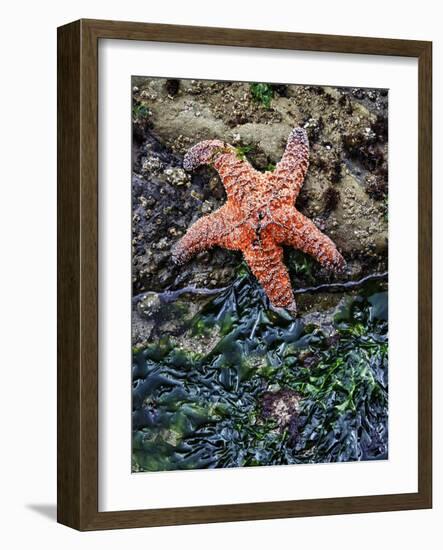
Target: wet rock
376,187
309,359
154,315
282,407
149,305
172,86
176,176
323,319
331,198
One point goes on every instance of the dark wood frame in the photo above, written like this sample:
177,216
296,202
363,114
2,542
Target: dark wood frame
77,480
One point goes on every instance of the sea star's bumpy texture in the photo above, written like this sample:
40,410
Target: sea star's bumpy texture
259,215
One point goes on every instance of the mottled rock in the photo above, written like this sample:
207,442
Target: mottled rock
282,407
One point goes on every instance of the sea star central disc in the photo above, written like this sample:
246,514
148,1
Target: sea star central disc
259,215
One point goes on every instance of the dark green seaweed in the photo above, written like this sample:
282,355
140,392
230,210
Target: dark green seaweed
219,408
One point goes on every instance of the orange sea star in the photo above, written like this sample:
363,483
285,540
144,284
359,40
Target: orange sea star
259,215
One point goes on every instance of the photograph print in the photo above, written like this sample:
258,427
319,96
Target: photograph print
259,274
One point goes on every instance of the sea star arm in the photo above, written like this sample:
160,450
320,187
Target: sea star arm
300,232
236,173
208,231
291,170
265,260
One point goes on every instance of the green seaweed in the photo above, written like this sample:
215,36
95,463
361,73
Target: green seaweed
242,150
302,266
262,93
205,410
140,111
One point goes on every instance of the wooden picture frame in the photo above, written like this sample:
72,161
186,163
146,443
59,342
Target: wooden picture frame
78,274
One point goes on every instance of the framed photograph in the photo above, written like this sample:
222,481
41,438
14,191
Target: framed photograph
244,274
